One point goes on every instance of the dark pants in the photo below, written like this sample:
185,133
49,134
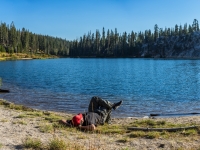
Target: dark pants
102,107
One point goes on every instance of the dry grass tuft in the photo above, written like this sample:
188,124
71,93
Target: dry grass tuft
57,144
31,143
46,128
1,145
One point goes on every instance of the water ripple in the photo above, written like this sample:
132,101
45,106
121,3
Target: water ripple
146,85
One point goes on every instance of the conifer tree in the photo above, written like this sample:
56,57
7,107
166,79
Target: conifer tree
195,25
180,30
176,30
156,32
185,30
103,39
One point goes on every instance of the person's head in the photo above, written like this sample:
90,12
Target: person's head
77,120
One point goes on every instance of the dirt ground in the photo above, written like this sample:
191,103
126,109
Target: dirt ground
13,130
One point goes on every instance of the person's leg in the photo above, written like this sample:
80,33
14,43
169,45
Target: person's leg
107,112
103,108
107,118
93,104
97,102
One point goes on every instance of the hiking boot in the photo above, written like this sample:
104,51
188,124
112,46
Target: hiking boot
116,105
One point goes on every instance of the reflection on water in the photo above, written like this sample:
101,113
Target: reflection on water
146,85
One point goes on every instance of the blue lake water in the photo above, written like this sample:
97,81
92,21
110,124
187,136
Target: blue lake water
67,85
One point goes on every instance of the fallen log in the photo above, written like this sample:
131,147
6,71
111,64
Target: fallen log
183,114
162,129
4,91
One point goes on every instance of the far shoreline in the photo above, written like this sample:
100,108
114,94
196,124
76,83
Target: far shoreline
159,116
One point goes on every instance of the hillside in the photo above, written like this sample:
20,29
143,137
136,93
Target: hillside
182,46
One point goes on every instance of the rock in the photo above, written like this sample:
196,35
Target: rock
4,91
175,46
161,146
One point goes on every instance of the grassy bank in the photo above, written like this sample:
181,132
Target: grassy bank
48,123
16,56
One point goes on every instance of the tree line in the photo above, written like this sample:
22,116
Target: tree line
108,43
23,41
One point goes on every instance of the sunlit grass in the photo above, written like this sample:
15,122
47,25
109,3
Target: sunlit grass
3,120
150,123
15,56
190,132
49,123
53,118
31,143
57,144
52,144
14,106
22,122
21,116
112,129
35,113
1,145
147,135
46,128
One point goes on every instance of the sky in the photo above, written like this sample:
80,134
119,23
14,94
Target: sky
71,19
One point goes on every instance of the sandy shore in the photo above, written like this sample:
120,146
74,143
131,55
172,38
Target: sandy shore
14,130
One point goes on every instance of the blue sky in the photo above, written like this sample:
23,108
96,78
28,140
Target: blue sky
71,19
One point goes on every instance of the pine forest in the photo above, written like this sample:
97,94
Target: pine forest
105,43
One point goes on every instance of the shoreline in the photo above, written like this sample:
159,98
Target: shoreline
17,125
157,116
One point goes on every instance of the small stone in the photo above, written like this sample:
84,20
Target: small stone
161,146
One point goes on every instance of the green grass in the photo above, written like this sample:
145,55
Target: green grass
190,132
15,56
22,122
1,145
53,118
31,143
151,124
35,113
30,114
14,106
4,120
22,116
147,135
57,144
148,123
50,124
46,128
53,144
112,129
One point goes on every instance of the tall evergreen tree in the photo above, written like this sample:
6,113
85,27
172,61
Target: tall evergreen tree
176,30
156,32
185,29
195,25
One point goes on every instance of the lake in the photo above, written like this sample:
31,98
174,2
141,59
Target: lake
146,86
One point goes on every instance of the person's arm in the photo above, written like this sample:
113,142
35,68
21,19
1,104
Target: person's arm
65,122
88,127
